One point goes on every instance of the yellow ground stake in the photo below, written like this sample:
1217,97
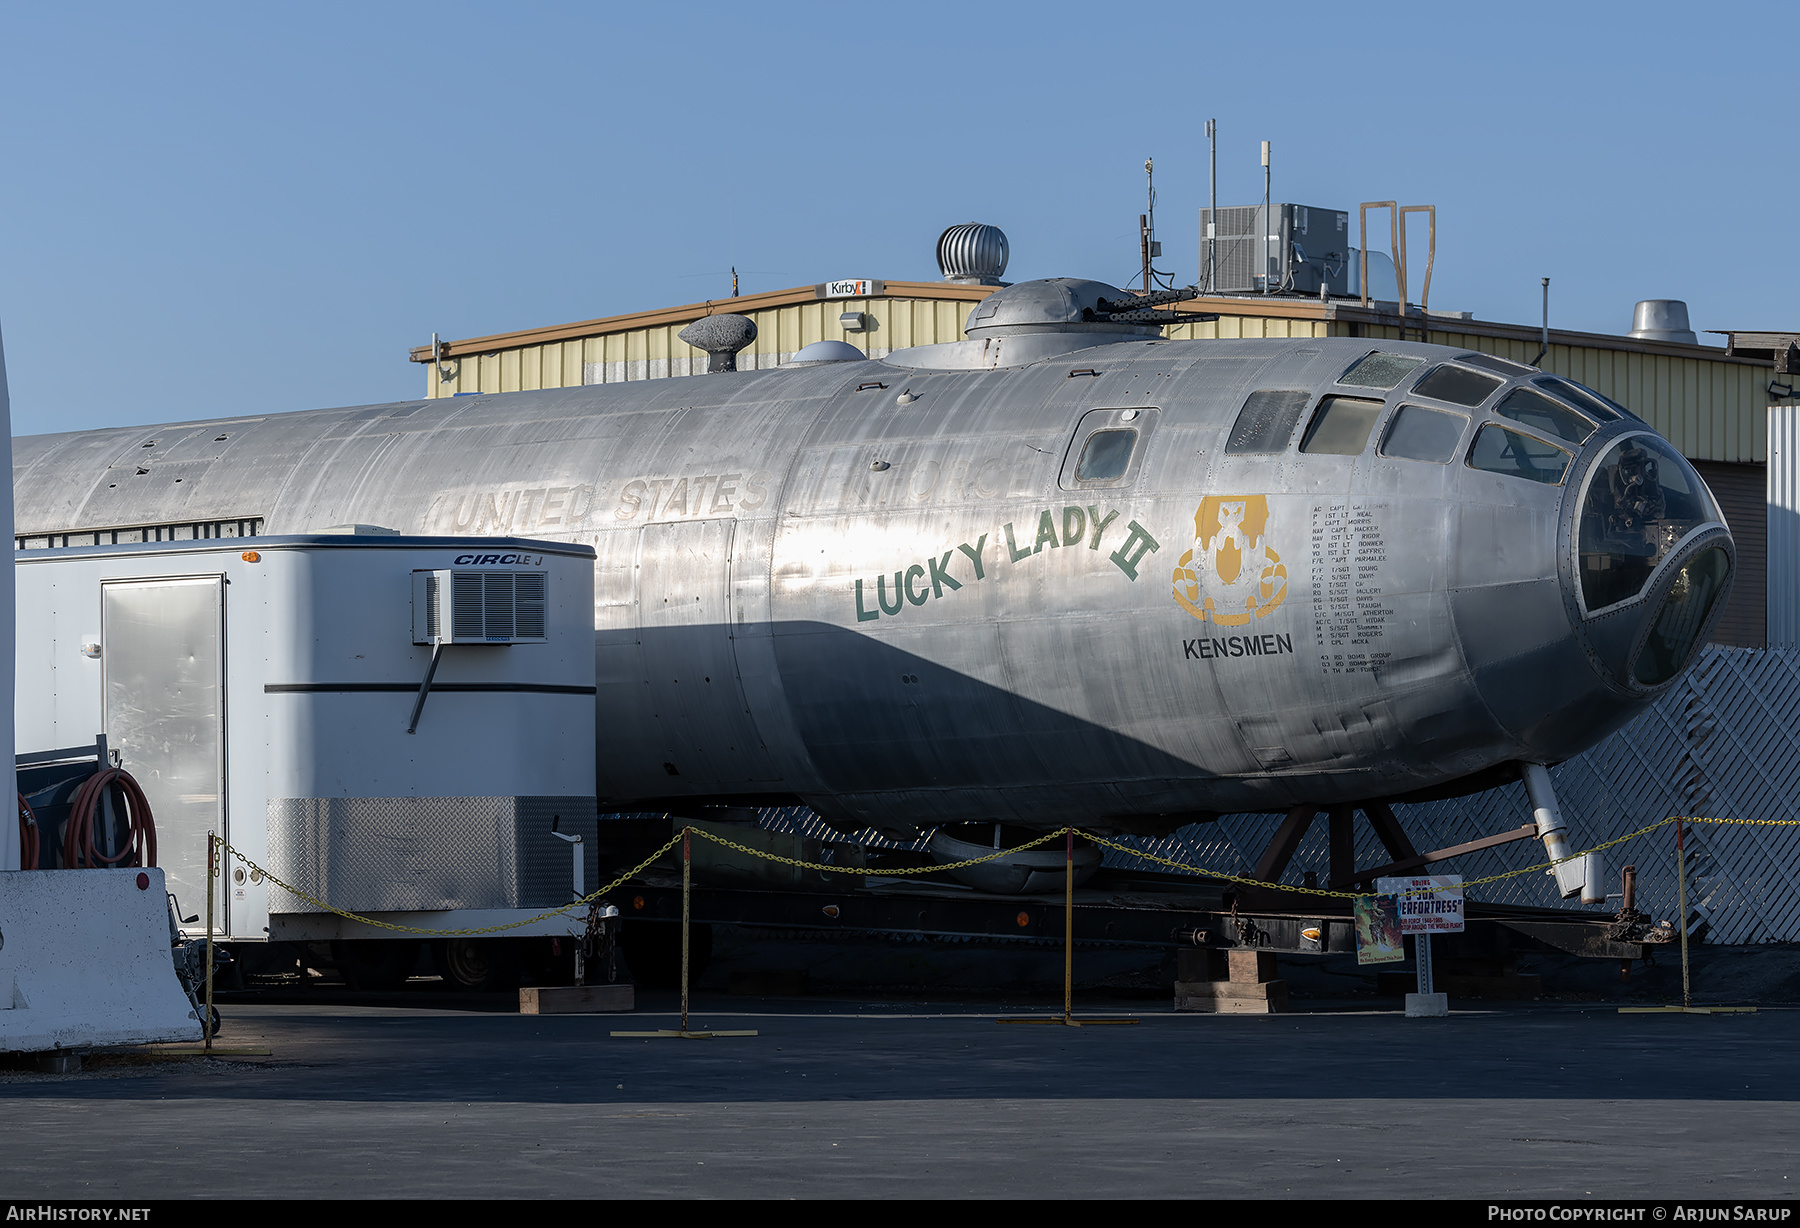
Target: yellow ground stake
686,889
1687,1006
1687,1010
1068,1019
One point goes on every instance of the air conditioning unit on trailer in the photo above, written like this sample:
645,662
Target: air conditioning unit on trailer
479,607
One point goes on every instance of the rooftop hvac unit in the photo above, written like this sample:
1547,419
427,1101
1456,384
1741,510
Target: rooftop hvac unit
1305,249
479,607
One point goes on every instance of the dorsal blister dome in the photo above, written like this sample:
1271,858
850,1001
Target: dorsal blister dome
1052,305
825,351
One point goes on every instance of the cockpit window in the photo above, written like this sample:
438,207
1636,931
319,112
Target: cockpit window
1106,457
1267,421
1508,369
1417,433
1380,370
1457,385
1642,499
1341,426
1607,409
1499,450
1540,413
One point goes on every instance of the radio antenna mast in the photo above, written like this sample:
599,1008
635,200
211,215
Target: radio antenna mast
1209,283
1266,219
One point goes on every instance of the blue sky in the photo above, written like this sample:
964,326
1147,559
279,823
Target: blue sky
212,209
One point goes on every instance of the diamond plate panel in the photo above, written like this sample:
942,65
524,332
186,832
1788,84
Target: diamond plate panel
399,854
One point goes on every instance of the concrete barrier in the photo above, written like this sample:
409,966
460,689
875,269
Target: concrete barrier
85,962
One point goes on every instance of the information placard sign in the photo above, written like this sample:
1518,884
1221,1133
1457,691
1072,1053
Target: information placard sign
1429,904
1378,939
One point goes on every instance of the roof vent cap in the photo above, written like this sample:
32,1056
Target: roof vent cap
973,255
1662,319
721,336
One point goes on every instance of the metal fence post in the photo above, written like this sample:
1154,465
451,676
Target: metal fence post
686,885
212,871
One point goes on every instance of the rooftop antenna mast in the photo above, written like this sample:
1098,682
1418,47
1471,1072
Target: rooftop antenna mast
1147,223
1545,347
1266,219
1210,282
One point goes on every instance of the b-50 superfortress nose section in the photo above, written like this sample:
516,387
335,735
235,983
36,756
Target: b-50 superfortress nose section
1641,560
1066,570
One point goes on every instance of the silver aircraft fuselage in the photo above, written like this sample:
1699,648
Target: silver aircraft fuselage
908,594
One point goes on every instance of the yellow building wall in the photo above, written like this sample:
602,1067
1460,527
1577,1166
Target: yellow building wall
658,352
1711,409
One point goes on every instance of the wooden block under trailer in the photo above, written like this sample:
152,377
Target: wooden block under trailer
1231,997
577,999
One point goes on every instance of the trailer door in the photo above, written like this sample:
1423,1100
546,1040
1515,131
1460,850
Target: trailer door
163,707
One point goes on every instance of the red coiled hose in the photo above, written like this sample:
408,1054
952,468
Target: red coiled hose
79,852
28,836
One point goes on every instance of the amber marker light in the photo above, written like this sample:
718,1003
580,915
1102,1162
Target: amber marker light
251,556
1024,919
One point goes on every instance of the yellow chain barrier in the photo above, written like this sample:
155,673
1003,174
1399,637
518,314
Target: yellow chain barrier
1183,866
1234,878
462,933
902,871
910,871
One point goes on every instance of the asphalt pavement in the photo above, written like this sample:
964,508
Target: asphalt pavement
871,1098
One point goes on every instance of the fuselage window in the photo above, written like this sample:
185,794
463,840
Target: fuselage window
1499,450
1457,385
1267,421
1341,426
1380,370
1540,413
1417,433
1106,457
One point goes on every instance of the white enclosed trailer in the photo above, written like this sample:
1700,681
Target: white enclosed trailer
270,689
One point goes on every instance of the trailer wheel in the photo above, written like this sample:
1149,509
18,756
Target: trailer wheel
479,965
652,952
375,964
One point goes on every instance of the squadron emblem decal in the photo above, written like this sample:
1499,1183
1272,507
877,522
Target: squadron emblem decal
1231,575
